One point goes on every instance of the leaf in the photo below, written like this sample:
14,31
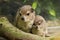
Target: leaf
34,4
25,1
52,12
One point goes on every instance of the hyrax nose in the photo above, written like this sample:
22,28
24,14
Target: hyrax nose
36,27
22,18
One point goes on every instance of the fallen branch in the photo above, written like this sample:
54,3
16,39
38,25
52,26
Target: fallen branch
14,33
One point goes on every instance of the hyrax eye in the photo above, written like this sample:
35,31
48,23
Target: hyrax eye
34,24
27,14
38,23
20,14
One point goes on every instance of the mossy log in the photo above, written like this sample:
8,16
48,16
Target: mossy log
14,33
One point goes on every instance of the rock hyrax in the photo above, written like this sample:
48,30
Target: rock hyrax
25,17
39,26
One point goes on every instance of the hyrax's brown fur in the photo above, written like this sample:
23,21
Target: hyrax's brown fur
39,26
25,17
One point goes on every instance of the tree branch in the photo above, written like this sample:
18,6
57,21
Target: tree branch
14,33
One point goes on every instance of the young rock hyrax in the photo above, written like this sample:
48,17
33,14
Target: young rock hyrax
39,26
25,17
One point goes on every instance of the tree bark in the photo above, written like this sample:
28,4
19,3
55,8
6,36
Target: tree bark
14,33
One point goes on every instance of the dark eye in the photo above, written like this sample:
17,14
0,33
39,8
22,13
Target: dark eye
20,14
39,23
27,14
33,23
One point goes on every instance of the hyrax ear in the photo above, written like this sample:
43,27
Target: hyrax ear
32,10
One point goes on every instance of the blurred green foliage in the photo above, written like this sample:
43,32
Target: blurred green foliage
34,5
49,9
52,12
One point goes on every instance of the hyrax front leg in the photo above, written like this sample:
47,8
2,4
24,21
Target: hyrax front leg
39,26
25,17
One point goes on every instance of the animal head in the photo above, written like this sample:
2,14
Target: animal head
38,23
26,13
